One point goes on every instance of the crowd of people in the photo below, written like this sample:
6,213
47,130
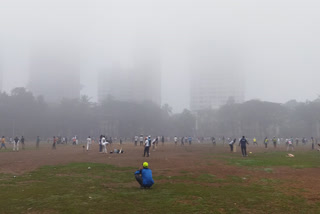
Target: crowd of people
105,143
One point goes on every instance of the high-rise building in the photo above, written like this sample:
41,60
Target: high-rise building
54,77
143,83
215,80
114,83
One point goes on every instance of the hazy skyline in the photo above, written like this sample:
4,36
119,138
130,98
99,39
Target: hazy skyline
275,42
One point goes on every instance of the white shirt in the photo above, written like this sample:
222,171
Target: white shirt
141,139
146,143
175,139
88,140
136,138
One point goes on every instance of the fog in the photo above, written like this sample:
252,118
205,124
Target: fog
274,43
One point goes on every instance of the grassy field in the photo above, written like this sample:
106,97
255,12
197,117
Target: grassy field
73,188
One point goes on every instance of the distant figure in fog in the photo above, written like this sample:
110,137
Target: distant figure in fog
274,141
231,143
243,142
147,144
190,140
3,143
266,141
22,142
289,144
16,144
54,142
88,143
255,141
37,142
213,141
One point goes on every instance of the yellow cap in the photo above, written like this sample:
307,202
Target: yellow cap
145,165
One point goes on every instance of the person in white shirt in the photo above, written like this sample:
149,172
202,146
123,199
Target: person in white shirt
289,145
146,147
231,143
88,143
175,140
104,145
141,140
135,140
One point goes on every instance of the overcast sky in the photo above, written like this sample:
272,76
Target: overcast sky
276,42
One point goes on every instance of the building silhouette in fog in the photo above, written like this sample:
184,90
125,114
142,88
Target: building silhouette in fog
137,84
54,77
216,79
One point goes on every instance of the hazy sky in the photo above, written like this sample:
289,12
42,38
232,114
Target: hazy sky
275,41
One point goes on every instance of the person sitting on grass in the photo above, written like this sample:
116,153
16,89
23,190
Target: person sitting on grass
144,176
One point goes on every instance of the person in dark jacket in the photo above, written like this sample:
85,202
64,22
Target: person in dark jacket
144,176
243,142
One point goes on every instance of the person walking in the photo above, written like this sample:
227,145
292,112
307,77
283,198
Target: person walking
144,176
16,144
141,140
146,147
243,142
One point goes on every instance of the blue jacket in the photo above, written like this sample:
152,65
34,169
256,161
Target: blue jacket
146,174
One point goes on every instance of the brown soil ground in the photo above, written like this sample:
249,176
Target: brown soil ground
167,160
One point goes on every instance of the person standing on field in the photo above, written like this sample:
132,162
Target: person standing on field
289,145
266,141
243,142
88,143
141,140
38,142
16,144
274,140
175,140
255,141
3,143
146,147
22,142
213,139
54,142
135,140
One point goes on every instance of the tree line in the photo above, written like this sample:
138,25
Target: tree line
21,113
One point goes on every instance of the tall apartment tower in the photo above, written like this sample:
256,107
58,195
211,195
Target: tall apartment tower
215,79
55,77
137,84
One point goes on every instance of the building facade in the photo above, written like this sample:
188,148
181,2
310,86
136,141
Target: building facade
142,83
54,78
